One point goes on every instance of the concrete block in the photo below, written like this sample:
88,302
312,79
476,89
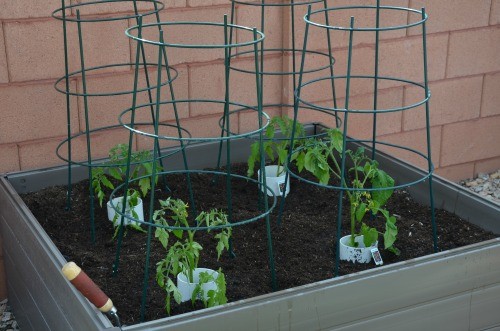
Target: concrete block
102,48
208,82
28,9
449,15
105,110
147,143
250,16
362,18
39,153
118,9
457,172
4,72
451,101
495,12
490,105
100,144
403,58
9,158
416,140
474,52
43,57
471,140
322,90
31,112
199,3
32,58
487,166
188,34
361,124
205,126
249,121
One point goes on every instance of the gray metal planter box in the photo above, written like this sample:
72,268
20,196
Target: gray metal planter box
453,290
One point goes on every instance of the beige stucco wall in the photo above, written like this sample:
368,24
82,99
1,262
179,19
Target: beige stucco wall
464,75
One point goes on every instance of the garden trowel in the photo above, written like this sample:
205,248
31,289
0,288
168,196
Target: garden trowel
90,290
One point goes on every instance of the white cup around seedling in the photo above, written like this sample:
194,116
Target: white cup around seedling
186,288
360,254
274,182
117,202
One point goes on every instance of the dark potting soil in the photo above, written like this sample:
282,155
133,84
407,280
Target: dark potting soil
304,243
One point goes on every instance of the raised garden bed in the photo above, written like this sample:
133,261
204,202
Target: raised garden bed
448,283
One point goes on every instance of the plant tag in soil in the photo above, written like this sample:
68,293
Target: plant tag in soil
281,187
376,256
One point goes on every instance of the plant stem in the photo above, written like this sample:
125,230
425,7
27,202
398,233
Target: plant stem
353,223
336,165
192,267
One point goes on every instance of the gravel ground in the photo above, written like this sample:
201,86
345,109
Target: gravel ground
485,185
8,322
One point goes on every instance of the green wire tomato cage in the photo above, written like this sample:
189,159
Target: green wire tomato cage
161,38
83,15
324,60
154,77
359,29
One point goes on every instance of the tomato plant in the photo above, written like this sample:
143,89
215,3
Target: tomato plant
184,254
320,157
115,168
275,148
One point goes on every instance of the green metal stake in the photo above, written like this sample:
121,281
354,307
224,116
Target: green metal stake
87,128
68,106
262,195
344,144
150,96
227,69
375,87
329,43
295,105
428,125
176,114
227,63
129,155
178,123
263,164
294,59
295,112
152,197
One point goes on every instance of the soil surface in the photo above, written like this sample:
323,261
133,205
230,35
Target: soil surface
304,243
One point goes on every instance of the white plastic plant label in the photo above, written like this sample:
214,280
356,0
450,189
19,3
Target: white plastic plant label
281,186
376,256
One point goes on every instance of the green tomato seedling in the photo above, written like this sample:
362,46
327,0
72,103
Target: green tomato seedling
184,254
320,157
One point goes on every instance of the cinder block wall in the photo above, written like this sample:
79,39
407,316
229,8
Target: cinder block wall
465,79
464,65
464,73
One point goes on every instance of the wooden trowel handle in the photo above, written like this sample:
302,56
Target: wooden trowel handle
87,287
